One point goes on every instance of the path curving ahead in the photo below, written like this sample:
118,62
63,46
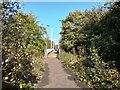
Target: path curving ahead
55,76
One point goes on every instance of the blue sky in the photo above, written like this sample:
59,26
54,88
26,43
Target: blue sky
51,12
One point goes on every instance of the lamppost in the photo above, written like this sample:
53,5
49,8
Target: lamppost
53,43
47,37
59,41
51,38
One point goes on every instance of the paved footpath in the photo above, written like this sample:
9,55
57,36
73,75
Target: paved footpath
55,76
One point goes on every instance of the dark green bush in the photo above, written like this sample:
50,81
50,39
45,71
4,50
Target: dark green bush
100,76
93,37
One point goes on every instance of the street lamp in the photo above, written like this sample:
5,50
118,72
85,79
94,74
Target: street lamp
51,37
47,37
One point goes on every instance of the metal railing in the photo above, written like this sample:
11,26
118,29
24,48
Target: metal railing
47,51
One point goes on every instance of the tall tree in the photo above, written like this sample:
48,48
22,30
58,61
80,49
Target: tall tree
22,38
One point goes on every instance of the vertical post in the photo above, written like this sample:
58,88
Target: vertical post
51,38
59,41
53,43
46,47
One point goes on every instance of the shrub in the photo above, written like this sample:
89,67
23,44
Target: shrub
22,37
99,76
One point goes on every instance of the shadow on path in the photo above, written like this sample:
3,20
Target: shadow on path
56,76
45,80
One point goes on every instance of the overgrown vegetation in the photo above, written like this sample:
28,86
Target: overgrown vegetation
93,39
22,47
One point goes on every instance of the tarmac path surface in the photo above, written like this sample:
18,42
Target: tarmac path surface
55,75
